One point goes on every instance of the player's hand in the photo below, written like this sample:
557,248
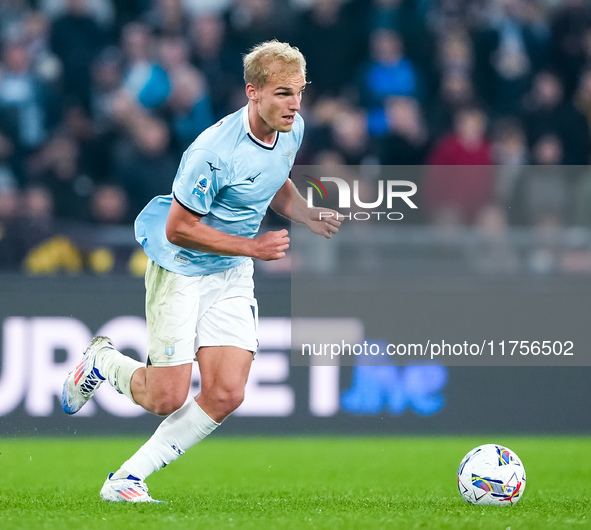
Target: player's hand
271,246
324,221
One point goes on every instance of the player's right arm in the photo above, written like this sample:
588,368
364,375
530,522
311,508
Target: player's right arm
185,229
202,174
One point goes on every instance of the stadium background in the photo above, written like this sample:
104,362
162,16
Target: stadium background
99,99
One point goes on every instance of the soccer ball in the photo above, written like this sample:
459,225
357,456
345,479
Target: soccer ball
491,474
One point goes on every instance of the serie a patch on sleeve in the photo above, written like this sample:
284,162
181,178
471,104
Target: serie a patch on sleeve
201,186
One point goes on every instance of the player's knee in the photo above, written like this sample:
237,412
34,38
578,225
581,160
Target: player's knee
165,405
164,408
229,400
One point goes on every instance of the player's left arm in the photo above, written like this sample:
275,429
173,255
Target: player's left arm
289,203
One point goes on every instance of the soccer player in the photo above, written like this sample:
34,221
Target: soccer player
199,286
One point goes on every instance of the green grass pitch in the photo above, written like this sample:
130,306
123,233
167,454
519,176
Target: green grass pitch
291,483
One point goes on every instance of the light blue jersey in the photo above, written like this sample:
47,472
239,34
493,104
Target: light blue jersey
229,177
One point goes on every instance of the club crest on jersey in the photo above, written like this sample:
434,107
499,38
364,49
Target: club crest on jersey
169,350
201,186
290,155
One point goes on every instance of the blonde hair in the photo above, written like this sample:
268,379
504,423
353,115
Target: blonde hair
258,63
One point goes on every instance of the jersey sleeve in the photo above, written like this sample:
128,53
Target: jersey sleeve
202,174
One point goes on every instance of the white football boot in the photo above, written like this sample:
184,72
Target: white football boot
130,489
84,380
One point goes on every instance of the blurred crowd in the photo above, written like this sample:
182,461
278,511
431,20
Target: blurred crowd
99,98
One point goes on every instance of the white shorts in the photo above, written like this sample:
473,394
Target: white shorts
184,313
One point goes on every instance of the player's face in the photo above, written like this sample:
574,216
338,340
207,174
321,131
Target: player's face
278,101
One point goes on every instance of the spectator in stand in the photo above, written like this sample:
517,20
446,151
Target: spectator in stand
318,128
467,144
542,197
206,8
453,194
10,243
452,67
93,147
456,56
349,134
546,113
22,97
167,18
408,21
109,205
387,14
387,73
101,11
587,50
44,63
173,53
109,209
107,80
47,251
145,80
405,142
77,39
23,105
329,158
37,222
57,168
213,55
448,16
144,166
13,14
510,155
582,98
511,46
8,177
128,11
189,107
38,207
333,45
570,22
253,21
455,93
